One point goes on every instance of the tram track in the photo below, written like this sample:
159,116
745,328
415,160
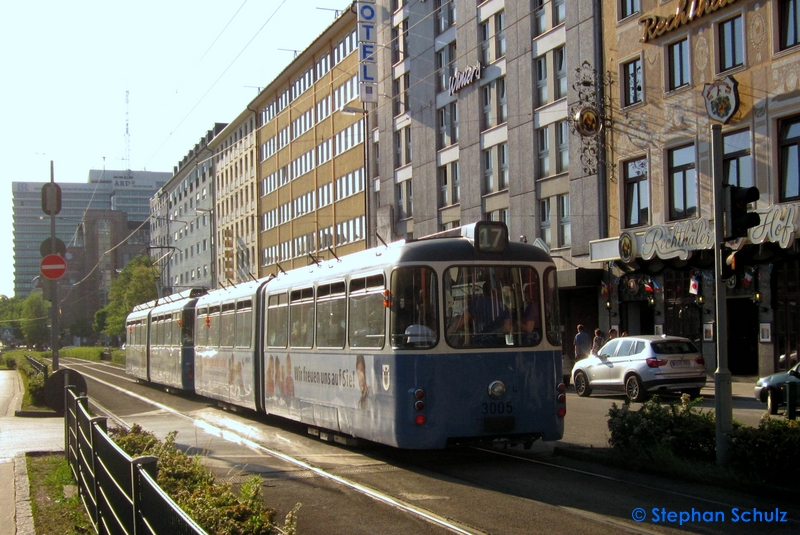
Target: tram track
432,486
233,436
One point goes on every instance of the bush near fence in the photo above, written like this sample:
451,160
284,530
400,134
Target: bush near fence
184,486
684,437
33,380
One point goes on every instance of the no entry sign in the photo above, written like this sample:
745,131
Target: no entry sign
53,266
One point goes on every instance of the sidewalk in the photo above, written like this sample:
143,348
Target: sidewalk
19,435
741,387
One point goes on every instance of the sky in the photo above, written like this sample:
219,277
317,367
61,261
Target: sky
97,84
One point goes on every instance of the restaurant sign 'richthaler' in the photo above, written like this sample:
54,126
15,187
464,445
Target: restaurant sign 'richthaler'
778,225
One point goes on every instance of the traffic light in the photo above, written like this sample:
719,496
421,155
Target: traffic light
51,198
737,218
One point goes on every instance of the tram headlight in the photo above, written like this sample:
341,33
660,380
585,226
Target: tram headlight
497,389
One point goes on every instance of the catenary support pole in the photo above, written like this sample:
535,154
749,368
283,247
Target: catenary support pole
54,329
723,403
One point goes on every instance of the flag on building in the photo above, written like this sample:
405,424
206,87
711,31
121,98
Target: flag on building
694,285
648,286
748,277
604,289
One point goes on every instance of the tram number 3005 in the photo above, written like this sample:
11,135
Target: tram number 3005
497,407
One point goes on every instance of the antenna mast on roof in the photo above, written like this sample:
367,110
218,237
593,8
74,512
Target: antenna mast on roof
336,12
127,136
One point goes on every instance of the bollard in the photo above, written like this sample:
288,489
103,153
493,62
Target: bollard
791,400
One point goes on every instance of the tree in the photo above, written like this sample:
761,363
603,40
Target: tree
81,328
10,314
135,284
34,319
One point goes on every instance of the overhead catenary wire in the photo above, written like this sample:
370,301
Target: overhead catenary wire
216,81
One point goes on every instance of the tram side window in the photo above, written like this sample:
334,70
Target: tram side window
227,325
277,320
214,326
552,312
331,315
301,318
175,327
244,323
367,313
158,329
200,329
414,307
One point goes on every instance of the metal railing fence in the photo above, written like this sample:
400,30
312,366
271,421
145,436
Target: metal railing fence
120,494
38,366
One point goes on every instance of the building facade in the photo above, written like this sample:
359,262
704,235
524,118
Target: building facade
673,70
310,150
235,211
473,122
105,190
182,221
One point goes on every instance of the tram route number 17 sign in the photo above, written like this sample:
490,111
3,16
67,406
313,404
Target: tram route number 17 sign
53,266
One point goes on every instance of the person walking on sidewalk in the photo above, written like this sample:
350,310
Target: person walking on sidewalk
582,343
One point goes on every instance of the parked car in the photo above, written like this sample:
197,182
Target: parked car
642,365
771,389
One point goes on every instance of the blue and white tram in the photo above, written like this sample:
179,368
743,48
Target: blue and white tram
160,346
451,338
137,343
227,367
420,344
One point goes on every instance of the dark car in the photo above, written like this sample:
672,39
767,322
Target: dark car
771,389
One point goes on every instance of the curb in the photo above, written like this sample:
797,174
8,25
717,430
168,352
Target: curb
24,515
37,414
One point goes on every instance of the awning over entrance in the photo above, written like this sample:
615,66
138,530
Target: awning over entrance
571,278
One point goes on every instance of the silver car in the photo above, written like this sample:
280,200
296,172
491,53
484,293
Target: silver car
642,365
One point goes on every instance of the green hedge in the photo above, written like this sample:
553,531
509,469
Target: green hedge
687,435
32,380
215,507
768,452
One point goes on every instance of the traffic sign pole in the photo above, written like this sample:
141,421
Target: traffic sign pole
54,327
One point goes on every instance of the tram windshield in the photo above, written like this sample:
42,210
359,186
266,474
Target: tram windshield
492,306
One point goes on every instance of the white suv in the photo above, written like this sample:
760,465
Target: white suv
642,365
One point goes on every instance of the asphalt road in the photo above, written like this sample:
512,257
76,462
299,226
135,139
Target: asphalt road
461,490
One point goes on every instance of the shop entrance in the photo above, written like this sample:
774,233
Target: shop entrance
637,317
742,337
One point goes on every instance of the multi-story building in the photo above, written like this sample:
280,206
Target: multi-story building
103,243
473,123
98,238
235,211
672,71
105,190
182,223
310,158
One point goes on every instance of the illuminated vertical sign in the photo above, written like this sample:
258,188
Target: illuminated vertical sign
367,46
